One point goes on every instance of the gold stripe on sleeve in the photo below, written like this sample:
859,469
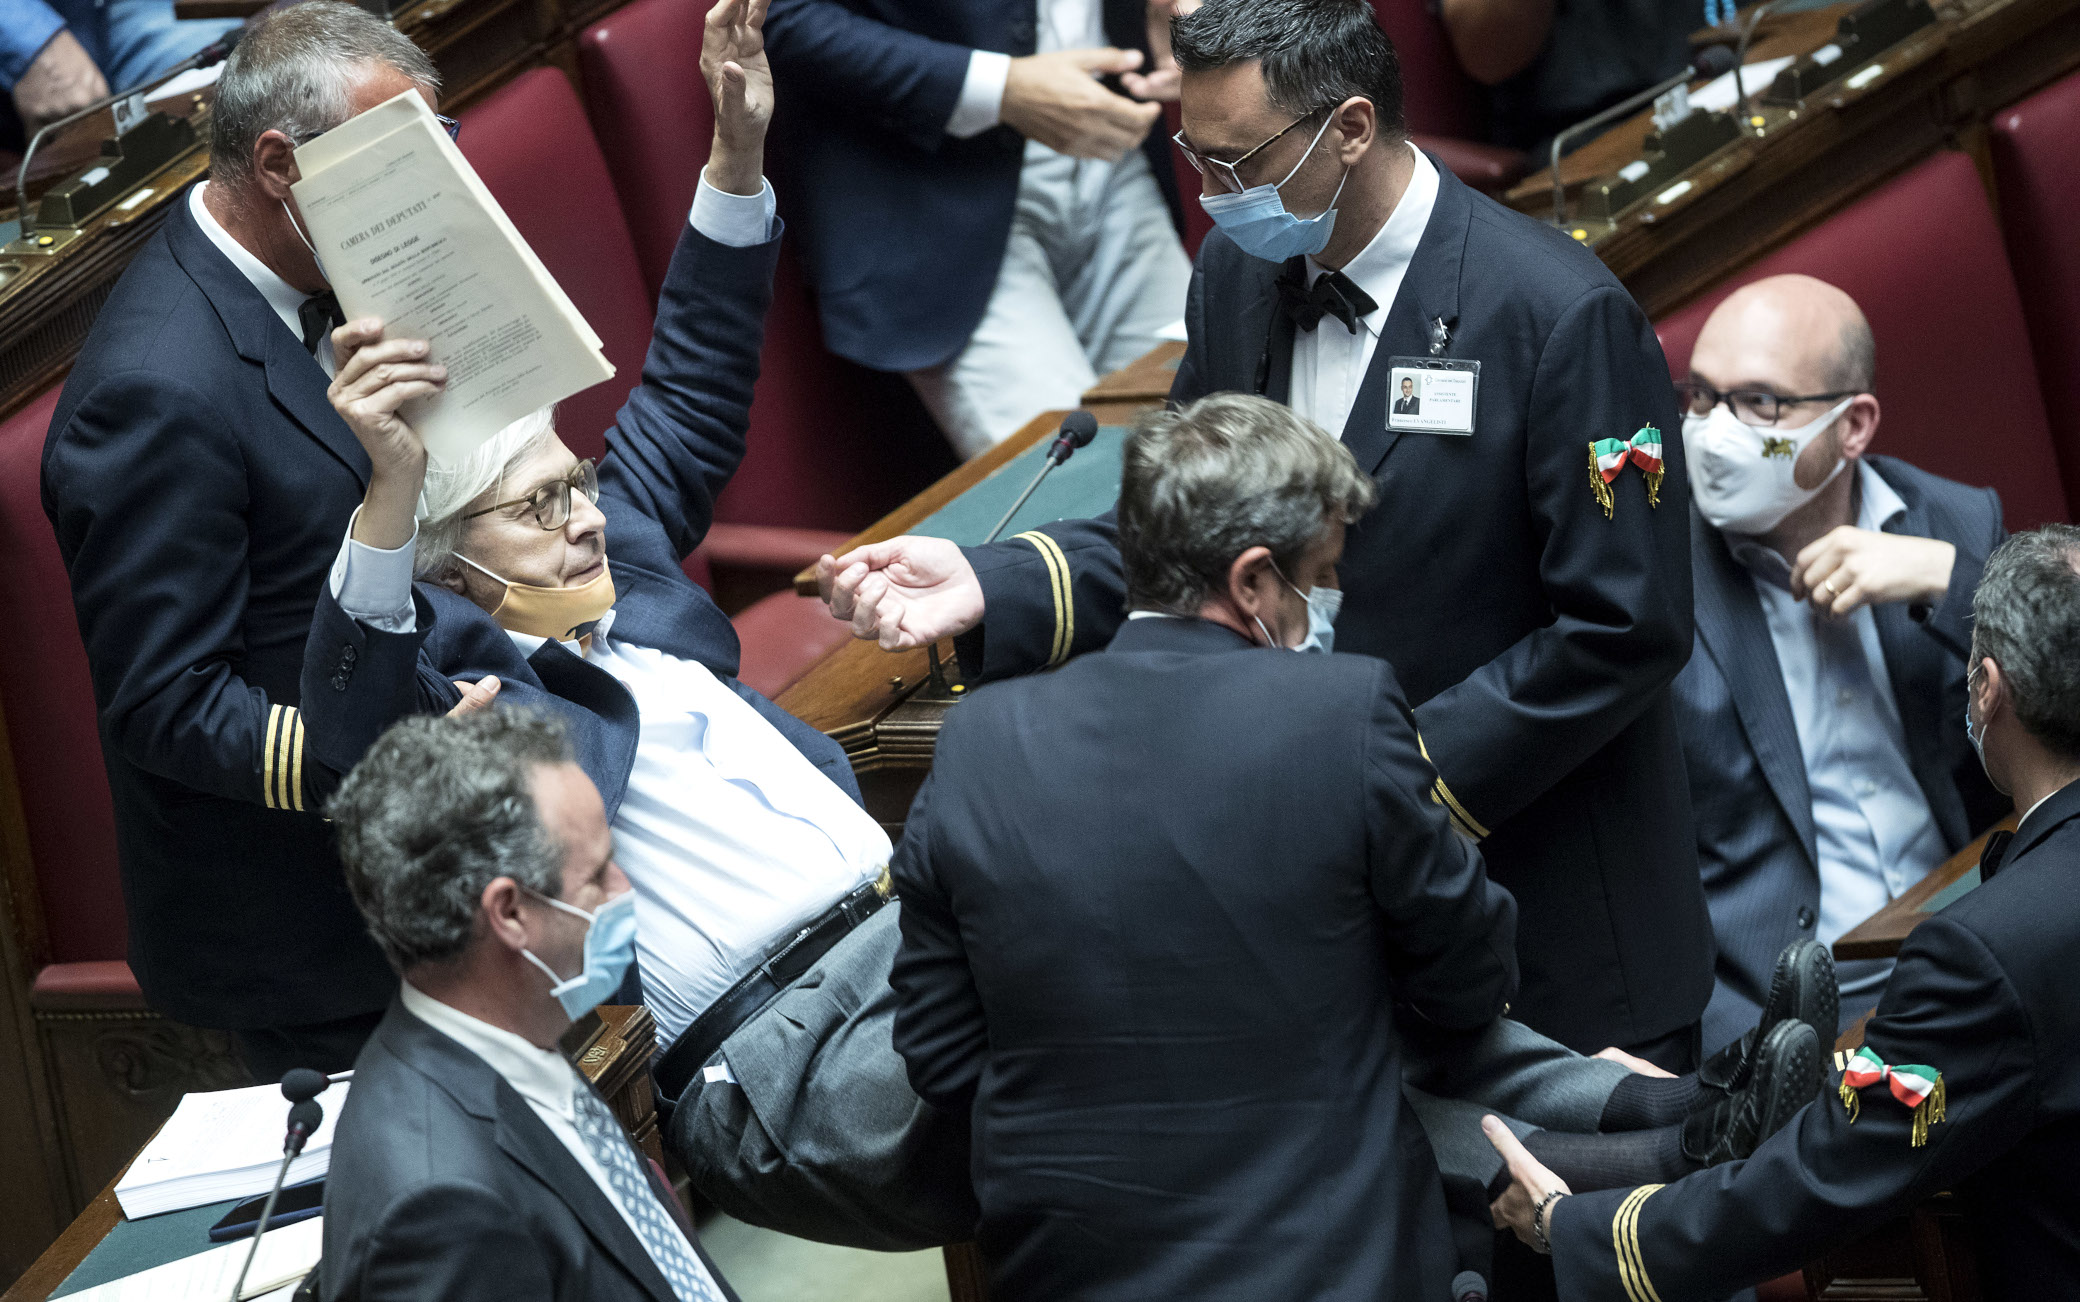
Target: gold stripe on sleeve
274,719
1632,1263
1064,600
296,762
1443,794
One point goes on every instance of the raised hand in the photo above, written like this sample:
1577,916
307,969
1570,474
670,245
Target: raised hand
733,60
376,377
904,593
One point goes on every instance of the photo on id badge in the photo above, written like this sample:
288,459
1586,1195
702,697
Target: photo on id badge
1431,394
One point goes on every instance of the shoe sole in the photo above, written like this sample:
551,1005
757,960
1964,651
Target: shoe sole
1787,1076
1817,997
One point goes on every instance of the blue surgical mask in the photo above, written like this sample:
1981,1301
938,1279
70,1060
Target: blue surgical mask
1257,220
610,947
1323,603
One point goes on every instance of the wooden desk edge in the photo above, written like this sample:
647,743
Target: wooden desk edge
1880,935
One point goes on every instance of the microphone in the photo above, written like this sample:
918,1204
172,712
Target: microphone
1468,1286
1740,57
301,1086
1078,429
1711,61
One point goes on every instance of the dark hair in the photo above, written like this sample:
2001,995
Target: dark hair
434,811
1313,52
2026,616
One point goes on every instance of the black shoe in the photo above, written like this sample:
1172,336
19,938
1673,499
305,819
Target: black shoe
1801,988
1782,1078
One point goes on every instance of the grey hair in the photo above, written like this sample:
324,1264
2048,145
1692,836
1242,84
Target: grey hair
1203,485
452,485
434,812
1313,52
293,72
2026,618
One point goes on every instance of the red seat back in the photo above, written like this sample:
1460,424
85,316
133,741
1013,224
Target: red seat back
1438,96
49,703
1922,257
530,143
2036,146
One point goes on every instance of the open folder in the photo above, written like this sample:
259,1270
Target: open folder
406,231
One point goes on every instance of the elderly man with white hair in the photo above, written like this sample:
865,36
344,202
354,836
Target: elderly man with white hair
762,945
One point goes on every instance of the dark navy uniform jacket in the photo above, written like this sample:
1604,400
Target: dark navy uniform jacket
1755,839
199,483
1158,911
903,227
1983,993
1535,637
671,451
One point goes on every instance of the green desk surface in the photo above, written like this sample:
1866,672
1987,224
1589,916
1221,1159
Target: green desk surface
1950,894
1085,485
133,1246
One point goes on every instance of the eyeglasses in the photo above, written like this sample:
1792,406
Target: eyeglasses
1749,406
1226,170
551,503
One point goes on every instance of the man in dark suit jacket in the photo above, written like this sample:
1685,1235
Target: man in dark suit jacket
1819,712
197,479
977,210
471,1159
1967,1079
1159,910
1408,404
1534,611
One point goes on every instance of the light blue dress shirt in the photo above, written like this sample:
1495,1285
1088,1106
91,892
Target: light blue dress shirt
1873,829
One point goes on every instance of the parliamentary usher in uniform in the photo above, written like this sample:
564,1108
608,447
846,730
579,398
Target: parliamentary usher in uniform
199,481
1534,631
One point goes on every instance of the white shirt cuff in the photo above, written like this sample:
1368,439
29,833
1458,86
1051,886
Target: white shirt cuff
738,220
374,586
981,104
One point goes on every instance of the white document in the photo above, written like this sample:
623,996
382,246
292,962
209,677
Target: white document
407,232
1717,95
224,1144
286,1255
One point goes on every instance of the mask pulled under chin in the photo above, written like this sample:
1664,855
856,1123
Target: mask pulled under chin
1741,477
558,614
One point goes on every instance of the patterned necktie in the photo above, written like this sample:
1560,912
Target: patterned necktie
320,315
632,1190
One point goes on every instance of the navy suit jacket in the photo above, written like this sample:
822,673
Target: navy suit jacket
1164,975
1748,792
1535,637
1984,994
199,482
903,227
671,451
445,1185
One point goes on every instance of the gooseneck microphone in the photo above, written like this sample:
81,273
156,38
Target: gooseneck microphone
301,1086
1078,429
1711,61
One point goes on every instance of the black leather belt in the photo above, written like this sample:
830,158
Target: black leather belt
676,1067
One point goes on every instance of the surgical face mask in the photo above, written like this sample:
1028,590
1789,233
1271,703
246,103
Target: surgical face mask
1323,603
1741,474
555,613
1257,220
610,946
297,226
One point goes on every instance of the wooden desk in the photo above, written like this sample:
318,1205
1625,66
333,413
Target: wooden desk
1881,934
612,1050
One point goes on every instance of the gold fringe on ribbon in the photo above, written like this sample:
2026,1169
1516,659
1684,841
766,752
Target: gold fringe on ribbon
1653,488
1930,1111
1596,485
1850,1102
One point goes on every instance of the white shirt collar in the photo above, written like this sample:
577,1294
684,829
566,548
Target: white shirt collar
283,297
543,1077
1379,266
1880,504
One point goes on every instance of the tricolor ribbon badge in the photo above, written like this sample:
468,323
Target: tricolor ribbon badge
1920,1088
1609,456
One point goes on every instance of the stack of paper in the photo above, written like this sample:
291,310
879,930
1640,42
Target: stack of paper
406,231
286,1256
224,1144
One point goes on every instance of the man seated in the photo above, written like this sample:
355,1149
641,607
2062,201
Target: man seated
1965,1078
58,56
739,825
1160,908
471,1159
1819,712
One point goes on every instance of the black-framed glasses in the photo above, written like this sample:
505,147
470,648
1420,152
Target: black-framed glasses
1226,170
551,503
1749,406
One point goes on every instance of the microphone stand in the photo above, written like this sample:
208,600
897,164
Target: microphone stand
300,1086
1622,108
289,1152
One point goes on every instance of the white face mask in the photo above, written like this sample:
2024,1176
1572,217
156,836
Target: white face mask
1741,474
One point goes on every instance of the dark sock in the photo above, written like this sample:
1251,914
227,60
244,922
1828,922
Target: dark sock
1617,1161
1645,1102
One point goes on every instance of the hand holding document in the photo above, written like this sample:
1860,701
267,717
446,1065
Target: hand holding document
406,231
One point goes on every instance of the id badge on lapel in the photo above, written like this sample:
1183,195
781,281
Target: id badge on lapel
1431,395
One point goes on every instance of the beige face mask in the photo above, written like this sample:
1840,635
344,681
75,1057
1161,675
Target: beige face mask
555,613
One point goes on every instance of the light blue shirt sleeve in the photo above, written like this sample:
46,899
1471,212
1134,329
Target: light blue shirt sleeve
373,585
738,220
26,26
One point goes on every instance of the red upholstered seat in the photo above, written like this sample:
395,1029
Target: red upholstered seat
1923,257
48,700
531,144
783,634
2036,145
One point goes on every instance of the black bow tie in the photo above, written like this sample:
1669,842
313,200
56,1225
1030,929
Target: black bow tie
1996,850
320,315
1333,294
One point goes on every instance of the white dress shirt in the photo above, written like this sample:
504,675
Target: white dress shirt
1064,25
1872,825
1329,362
283,297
